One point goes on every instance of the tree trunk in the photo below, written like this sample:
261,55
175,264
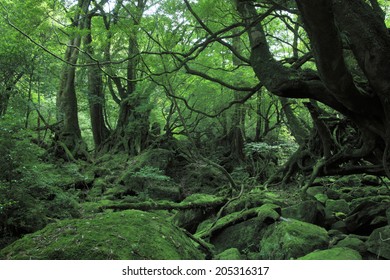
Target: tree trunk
366,141
70,133
96,98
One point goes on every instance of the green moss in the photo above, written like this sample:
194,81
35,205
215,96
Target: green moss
339,253
352,243
379,242
321,197
121,235
291,239
229,254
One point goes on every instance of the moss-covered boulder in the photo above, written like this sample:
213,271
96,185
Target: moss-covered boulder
291,239
339,253
244,236
315,190
241,230
229,254
353,243
335,210
379,242
310,211
335,206
191,218
369,215
122,235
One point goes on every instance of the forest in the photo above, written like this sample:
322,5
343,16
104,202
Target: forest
195,129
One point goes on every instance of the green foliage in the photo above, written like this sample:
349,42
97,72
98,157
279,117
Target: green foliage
27,200
149,173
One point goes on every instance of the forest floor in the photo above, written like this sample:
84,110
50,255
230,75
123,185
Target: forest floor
159,205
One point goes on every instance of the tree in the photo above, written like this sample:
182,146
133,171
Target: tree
69,134
343,34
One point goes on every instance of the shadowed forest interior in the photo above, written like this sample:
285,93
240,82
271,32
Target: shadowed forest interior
195,129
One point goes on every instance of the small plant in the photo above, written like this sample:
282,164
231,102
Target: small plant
150,173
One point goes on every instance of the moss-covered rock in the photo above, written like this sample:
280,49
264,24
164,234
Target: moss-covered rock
339,253
367,216
335,210
352,243
313,191
191,218
241,230
309,211
379,242
291,239
335,206
229,254
244,236
388,216
128,234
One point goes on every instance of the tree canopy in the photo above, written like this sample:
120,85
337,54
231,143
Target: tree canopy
264,93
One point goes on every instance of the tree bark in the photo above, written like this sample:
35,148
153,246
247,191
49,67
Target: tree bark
67,109
96,98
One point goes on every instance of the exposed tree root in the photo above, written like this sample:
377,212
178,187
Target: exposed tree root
166,205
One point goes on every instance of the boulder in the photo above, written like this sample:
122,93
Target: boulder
290,239
229,254
367,216
335,206
244,236
339,253
334,209
388,216
313,191
125,235
241,230
309,211
191,218
379,242
352,243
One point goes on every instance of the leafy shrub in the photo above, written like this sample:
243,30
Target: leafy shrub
27,202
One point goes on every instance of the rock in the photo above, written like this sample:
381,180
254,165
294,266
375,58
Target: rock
370,180
352,243
244,236
365,217
333,194
348,181
384,190
309,211
321,198
339,253
340,226
125,235
388,216
242,230
229,254
313,191
334,209
291,239
334,206
191,218
379,242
